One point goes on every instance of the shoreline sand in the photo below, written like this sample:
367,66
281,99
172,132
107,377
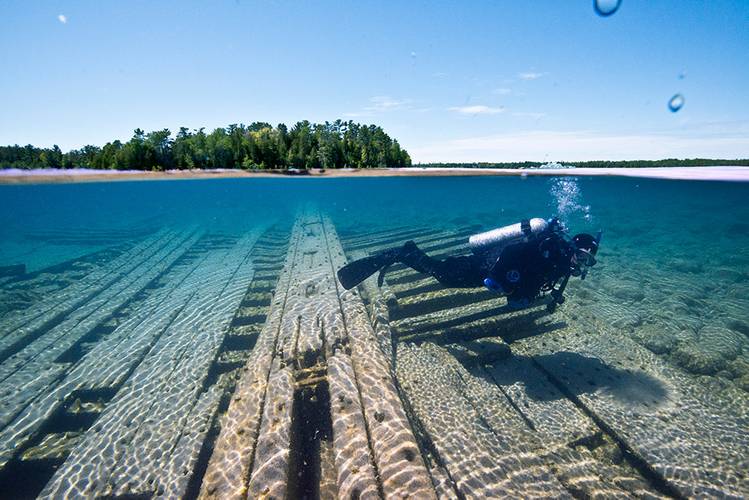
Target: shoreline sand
14,176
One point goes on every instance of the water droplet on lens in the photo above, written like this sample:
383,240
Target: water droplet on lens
606,7
676,103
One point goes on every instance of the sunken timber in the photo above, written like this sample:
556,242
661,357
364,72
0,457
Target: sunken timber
199,365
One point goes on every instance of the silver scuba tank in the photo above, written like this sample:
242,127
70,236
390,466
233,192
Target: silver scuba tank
495,240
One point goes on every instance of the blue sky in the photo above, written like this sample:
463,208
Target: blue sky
452,81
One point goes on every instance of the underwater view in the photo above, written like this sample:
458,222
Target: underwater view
192,339
376,250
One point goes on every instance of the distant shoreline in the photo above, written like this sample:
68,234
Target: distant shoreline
46,176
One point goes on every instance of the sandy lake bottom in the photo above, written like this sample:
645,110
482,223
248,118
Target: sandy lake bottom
188,338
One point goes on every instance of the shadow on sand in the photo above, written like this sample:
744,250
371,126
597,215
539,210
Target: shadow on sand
577,374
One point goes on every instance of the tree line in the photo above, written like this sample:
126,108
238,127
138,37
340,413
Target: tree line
257,146
668,162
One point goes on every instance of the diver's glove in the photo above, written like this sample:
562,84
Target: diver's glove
493,286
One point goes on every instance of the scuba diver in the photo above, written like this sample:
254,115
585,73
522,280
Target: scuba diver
521,261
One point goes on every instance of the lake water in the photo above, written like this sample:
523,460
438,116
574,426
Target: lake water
648,359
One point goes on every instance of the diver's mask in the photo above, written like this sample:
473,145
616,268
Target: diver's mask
581,262
586,247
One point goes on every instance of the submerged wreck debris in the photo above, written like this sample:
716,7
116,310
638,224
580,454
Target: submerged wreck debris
316,413
579,407
207,365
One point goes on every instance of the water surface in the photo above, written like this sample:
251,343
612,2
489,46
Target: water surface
673,278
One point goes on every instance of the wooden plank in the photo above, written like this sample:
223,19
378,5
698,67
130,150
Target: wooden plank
380,300
554,396
478,460
19,324
169,417
439,300
312,326
299,345
149,415
94,478
356,476
540,403
680,433
32,371
471,321
399,463
230,465
395,239
355,237
542,428
270,468
137,268
270,472
553,423
183,459
113,358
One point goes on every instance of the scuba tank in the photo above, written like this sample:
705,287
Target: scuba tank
495,240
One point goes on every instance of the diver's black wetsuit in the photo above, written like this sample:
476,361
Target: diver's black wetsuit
464,271
522,269
519,262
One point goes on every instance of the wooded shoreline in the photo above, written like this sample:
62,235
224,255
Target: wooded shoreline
48,176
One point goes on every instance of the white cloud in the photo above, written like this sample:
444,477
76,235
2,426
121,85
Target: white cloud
581,146
383,103
62,18
502,91
439,74
530,75
477,109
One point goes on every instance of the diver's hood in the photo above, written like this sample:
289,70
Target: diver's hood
587,242
586,247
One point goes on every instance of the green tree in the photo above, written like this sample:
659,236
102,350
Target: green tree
306,145
159,144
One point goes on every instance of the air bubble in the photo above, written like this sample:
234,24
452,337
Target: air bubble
605,8
676,103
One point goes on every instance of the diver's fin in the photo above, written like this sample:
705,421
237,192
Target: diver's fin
381,276
355,272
